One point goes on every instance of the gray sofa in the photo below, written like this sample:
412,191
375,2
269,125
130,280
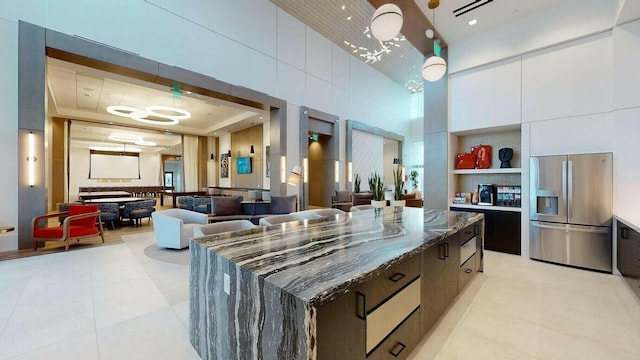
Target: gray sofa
231,208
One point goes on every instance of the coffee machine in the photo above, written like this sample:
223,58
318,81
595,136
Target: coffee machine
486,194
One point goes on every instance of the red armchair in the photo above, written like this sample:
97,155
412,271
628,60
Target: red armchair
81,221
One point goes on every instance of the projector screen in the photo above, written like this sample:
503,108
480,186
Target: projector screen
114,165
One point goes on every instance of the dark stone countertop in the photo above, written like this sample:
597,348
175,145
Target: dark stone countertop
319,260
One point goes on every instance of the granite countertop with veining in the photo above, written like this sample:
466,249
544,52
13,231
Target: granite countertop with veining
319,260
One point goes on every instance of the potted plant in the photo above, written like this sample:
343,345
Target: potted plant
356,184
413,176
398,182
376,185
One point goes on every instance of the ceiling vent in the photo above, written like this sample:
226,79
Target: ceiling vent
470,7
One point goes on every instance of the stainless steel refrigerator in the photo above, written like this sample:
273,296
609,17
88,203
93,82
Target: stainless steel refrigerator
571,210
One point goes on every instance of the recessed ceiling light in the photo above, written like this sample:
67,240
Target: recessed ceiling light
473,22
349,18
343,7
188,92
260,117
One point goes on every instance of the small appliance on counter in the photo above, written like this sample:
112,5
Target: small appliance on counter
508,195
485,194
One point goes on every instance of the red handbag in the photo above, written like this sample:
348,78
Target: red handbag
465,161
482,155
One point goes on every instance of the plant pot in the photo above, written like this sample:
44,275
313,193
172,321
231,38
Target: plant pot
379,203
418,194
398,203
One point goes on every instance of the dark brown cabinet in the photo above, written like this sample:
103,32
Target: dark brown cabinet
439,276
501,229
629,255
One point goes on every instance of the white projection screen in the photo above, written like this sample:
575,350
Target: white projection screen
114,165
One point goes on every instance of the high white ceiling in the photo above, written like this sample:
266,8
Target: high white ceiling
81,93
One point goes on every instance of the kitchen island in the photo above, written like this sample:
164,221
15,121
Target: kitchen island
363,284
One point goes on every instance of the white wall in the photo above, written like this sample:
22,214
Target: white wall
576,97
249,43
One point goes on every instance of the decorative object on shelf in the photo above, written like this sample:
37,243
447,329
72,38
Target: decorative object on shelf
465,161
474,198
508,195
398,182
485,194
482,154
224,165
356,184
435,67
376,185
386,22
505,155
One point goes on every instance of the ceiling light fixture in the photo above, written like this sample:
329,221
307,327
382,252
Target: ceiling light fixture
473,22
145,143
435,67
386,22
122,137
170,115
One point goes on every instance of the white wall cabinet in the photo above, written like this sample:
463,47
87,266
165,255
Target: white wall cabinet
485,97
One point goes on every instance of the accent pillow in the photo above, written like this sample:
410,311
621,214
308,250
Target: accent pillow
226,205
283,204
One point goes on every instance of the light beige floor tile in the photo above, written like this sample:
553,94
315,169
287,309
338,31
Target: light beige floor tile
157,335
124,300
182,310
463,345
82,347
113,271
31,327
175,293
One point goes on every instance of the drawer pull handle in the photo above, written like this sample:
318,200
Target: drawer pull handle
441,257
397,349
397,277
468,271
360,307
446,250
625,233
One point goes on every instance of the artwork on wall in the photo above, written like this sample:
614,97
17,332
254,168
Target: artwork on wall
224,166
168,178
267,163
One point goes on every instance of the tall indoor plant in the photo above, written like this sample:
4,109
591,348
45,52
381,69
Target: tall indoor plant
356,184
398,182
376,185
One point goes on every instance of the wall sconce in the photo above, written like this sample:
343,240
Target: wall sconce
305,170
283,167
396,161
350,172
336,171
212,157
295,176
229,153
252,152
31,159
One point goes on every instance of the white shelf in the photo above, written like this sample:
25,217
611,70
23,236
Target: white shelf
486,207
488,171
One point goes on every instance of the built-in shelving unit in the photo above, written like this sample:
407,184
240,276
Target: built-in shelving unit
487,171
486,207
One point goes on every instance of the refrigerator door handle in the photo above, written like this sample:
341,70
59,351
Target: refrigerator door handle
585,229
548,226
569,189
564,180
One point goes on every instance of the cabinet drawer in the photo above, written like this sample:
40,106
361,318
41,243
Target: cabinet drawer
391,313
467,233
467,272
401,342
389,282
467,250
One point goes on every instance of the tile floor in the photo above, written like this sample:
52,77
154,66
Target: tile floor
114,302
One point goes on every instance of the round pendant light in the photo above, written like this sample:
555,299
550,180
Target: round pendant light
434,68
386,22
